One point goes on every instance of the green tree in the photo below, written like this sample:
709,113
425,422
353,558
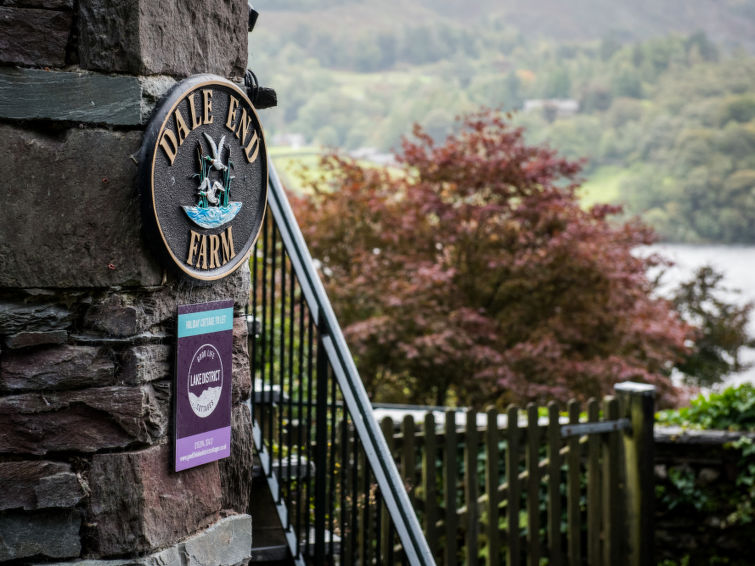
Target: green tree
557,84
739,108
703,47
595,97
388,45
626,81
420,45
720,329
367,55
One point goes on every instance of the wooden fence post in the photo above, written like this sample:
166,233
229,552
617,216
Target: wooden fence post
470,487
613,489
408,458
513,557
429,487
449,486
532,459
638,404
491,486
554,486
574,519
594,492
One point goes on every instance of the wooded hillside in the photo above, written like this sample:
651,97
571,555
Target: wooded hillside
663,114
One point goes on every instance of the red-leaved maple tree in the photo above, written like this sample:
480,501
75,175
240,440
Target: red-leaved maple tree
470,274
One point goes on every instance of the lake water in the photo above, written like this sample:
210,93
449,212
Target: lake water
737,263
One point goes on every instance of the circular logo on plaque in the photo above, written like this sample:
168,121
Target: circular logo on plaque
205,380
204,177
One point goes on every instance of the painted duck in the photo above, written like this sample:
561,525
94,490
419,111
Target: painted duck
210,192
216,159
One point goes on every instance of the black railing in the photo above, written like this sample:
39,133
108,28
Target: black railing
334,483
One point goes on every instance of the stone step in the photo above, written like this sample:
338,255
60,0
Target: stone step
279,554
274,554
283,471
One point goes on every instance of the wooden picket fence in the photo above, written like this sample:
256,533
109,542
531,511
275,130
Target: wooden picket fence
522,488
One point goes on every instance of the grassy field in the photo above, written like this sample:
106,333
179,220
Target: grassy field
603,185
294,165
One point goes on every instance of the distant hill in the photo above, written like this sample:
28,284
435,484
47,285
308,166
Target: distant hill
661,102
729,23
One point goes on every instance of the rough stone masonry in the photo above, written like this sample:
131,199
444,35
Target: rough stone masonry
87,315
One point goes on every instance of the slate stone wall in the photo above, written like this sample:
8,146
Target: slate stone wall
87,314
138,37
696,473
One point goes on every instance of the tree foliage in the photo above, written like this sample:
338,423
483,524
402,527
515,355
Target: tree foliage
730,409
470,274
720,329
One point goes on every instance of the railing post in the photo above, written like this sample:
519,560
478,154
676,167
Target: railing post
638,404
321,440
386,540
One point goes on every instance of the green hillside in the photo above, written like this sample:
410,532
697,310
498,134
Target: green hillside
665,120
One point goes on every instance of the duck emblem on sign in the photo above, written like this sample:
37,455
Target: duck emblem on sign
204,177
213,207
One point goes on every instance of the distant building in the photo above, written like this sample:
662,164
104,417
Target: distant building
294,141
373,155
553,107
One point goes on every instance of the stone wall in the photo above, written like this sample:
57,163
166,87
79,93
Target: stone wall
87,314
696,493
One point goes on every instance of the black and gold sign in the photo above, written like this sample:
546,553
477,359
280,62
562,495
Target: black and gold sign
204,176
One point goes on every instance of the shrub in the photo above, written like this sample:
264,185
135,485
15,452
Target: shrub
731,409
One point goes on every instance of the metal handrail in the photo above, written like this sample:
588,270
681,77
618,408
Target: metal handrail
357,404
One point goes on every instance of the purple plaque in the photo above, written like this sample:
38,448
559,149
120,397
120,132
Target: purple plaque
203,383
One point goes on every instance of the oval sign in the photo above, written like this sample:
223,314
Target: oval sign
204,177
